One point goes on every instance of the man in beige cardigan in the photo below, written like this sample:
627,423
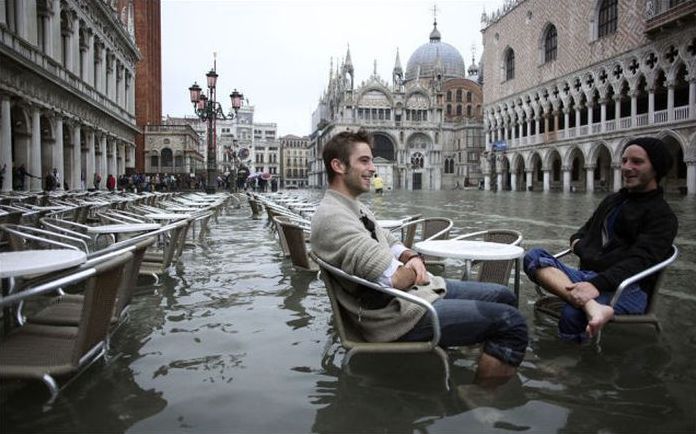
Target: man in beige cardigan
345,234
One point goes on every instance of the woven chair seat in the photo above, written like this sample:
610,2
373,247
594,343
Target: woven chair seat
48,348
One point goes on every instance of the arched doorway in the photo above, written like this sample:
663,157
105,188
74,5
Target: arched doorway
383,147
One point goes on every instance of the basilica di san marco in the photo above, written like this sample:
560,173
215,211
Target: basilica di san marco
427,123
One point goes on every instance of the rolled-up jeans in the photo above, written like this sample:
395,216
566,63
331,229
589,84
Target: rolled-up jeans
477,312
573,321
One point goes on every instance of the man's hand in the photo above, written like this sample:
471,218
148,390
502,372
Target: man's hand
581,292
417,265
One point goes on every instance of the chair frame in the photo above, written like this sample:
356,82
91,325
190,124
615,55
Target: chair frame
493,271
350,336
648,317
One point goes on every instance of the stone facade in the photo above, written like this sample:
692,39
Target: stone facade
420,144
294,157
568,83
66,90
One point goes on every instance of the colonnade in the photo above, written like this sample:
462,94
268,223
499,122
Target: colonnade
75,150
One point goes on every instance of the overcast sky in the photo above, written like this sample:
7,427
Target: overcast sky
277,53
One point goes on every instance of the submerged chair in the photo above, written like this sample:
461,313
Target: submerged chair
66,309
351,338
292,237
552,305
493,271
42,352
429,228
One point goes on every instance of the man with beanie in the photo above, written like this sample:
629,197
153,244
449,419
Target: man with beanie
629,231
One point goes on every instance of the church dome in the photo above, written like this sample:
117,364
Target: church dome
426,56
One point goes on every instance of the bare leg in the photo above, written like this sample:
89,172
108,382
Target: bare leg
492,371
598,315
555,281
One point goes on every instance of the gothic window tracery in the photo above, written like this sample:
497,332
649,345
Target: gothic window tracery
417,160
608,17
509,64
550,44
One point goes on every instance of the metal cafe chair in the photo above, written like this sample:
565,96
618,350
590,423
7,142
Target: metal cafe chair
350,336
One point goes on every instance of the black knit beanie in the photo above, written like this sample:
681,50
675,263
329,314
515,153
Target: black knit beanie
660,158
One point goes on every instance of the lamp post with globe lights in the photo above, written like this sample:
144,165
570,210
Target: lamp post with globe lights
209,110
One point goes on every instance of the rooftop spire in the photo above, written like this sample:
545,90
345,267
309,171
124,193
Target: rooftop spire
397,63
435,34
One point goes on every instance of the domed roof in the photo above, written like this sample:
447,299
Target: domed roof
426,56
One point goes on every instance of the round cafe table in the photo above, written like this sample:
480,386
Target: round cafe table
390,224
123,228
28,262
474,250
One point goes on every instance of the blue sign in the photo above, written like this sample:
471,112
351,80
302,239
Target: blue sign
500,145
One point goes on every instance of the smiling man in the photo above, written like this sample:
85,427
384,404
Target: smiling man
345,234
629,231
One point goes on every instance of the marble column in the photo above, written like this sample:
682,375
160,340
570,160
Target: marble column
75,182
6,143
634,108
617,177
692,98
566,178
602,114
112,159
651,105
528,178
590,115
103,168
547,180
487,182
34,166
578,118
589,178
513,181
617,111
58,155
122,159
691,178
566,119
90,161
670,102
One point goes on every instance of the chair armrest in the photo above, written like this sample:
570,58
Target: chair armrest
643,274
390,291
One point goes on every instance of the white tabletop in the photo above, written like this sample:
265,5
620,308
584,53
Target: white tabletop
390,224
123,228
24,262
167,216
462,249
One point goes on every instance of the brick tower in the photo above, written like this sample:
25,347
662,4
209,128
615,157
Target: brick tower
148,72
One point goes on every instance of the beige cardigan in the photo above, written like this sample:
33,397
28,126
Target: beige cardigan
341,239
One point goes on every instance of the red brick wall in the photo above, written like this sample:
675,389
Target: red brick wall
148,72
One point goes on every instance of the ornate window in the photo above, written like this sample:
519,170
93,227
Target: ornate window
509,64
459,95
449,95
417,160
459,109
449,165
468,111
550,44
449,109
154,162
468,96
167,157
608,16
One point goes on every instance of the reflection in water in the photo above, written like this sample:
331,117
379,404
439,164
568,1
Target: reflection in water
235,340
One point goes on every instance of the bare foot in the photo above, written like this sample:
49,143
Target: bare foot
598,314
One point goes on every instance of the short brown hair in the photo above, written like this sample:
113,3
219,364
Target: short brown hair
340,146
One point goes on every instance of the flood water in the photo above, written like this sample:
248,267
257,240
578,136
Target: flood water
234,340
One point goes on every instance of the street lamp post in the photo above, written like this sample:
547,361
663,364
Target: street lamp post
209,110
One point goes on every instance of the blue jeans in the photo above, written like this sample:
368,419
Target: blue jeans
477,312
573,321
